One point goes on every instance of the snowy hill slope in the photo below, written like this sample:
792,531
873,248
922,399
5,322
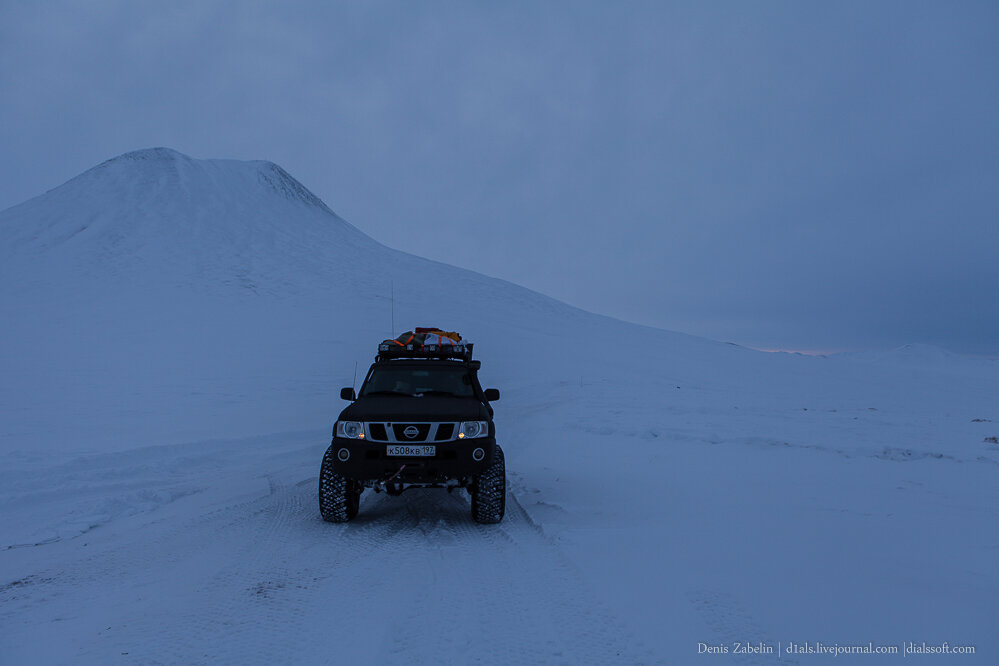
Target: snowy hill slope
175,335
220,290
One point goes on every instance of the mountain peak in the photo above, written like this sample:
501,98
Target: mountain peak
156,154
161,166
195,217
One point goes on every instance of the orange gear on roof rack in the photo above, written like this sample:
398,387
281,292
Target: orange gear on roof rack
453,335
427,342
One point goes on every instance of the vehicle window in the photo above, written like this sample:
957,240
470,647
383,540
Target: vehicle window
419,381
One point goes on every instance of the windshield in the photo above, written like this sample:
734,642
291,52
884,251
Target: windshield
419,381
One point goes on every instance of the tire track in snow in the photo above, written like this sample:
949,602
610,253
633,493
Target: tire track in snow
412,580
519,598
223,603
255,608
118,559
729,621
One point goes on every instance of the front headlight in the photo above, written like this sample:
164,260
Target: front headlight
350,429
471,429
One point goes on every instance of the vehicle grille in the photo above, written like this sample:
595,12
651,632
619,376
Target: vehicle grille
445,432
425,432
400,432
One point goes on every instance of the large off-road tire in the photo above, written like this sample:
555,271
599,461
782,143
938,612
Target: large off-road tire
339,497
489,492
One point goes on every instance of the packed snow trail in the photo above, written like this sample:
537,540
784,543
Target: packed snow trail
264,580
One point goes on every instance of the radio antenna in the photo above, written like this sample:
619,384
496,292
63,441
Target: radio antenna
393,310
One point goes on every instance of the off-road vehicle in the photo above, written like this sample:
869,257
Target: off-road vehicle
419,420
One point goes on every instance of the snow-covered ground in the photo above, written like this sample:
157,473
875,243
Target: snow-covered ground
174,336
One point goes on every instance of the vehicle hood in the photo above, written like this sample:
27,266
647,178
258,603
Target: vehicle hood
400,408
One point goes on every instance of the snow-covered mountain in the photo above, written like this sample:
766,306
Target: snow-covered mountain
223,289
174,336
162,219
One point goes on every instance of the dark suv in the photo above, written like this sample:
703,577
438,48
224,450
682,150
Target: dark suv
419,420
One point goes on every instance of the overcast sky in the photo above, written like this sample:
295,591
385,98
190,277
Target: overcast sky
785,175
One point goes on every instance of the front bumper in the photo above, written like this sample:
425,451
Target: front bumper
368,461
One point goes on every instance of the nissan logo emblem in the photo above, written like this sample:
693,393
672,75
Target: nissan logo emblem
411,432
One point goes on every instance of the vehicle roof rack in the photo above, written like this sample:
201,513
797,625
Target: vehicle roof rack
390,351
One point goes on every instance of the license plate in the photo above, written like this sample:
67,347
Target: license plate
410,450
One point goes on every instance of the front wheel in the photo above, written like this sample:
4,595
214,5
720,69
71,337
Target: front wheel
489,491
339,497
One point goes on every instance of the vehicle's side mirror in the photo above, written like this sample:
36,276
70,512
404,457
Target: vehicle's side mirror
348,394
492,395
